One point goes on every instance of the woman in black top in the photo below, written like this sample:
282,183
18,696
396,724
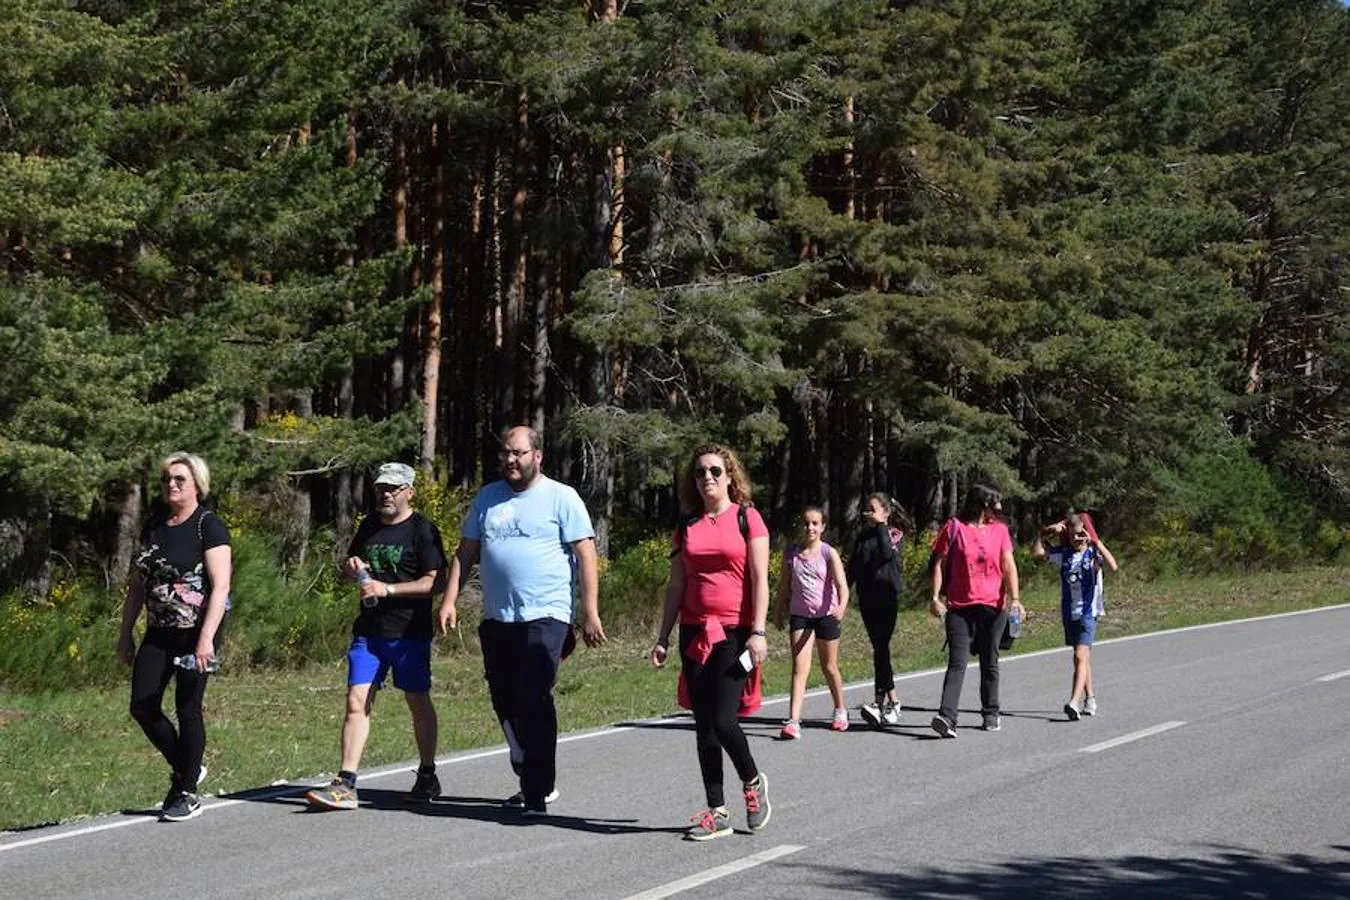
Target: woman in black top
182,578
874,570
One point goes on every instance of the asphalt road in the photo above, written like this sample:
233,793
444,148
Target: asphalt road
1219,766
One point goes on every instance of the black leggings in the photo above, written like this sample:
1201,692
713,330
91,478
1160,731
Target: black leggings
150,674
879,610
715,690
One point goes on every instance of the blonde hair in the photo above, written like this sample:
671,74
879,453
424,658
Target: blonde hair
201,472
738,482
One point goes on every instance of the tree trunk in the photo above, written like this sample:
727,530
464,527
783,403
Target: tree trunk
130,512
431,333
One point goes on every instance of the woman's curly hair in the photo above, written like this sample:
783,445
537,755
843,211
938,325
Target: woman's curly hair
738,482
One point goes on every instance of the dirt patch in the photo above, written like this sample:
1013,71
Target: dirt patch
9,715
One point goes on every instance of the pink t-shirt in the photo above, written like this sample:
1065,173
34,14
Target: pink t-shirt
813,592
974,561
714,555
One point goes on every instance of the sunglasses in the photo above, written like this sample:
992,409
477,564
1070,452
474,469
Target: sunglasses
389,488
179,480
714,471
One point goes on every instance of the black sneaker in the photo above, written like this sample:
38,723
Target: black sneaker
184,806
425,789
943,727
992,722
517,800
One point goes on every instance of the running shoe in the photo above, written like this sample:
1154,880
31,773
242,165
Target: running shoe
1071,711
890,714
757,806
426,788
840,722
792,730
943,727
871,714
337,795
1090,706
993,722
518,798
709,824
184,806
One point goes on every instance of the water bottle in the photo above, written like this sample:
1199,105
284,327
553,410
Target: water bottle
363,576
188,661
1015,624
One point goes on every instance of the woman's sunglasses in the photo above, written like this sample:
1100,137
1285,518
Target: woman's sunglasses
179,480
714,471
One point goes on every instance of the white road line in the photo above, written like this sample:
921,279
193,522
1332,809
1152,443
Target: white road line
1133,736
702,878
1335,675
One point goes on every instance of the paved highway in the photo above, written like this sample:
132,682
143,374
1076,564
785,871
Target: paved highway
1219,766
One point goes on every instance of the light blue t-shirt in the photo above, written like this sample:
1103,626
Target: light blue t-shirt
526,561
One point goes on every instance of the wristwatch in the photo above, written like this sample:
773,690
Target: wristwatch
389,590
758,631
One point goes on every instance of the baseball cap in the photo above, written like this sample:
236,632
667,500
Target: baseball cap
395,473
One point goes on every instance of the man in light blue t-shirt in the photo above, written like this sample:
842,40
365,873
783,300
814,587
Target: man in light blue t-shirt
530,535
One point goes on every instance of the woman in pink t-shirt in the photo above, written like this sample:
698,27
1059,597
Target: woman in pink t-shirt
719,593
972,559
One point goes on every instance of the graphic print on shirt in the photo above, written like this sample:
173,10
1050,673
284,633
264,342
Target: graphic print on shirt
383,559
173,599
502,522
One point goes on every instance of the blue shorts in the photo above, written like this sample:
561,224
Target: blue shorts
369,659
826,628
1080,632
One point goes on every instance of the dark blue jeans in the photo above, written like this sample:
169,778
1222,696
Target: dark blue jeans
520,662
972,629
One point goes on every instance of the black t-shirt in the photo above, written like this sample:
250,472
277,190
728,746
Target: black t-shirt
172,560
398,554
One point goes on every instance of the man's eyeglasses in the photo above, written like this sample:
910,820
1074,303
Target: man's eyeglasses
714,471
389,488
507,453
179,480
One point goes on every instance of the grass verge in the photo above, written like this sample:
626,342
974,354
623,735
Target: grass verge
78,753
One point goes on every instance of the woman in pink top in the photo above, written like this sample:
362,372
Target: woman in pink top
719,592
813,594
973,559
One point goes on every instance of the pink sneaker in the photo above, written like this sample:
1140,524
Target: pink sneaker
791,731
840,722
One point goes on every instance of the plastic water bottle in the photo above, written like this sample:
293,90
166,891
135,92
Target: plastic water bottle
188,661
363,576
1015,624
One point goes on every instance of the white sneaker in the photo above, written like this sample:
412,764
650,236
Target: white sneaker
1071,711
871,714
890,715
1090,706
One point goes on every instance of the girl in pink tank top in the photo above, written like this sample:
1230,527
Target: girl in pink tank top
811,600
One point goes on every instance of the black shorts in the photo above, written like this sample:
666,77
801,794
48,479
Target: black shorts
825,628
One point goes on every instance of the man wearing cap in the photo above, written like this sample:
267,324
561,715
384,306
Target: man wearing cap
533,539
397,558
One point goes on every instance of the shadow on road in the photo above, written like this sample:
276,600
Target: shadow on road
1216,873
478,809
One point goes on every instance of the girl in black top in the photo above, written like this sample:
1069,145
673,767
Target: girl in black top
874,570
182,579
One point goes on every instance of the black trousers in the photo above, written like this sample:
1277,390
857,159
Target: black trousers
153,669
715,688
520,662
972,629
